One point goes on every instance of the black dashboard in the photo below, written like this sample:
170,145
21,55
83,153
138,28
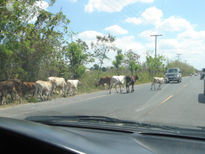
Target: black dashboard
22,136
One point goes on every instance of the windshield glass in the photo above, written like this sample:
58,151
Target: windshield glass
172,71
104,58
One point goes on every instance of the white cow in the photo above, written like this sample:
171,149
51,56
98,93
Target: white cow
73,86
117,80
157,80
60,83
44,88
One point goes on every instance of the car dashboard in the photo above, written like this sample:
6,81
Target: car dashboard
30,137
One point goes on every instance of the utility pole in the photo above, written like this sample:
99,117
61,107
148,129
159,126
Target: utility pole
156,35
178,56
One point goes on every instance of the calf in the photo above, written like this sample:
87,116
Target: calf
44,88
157,80
10,87
73,86
117,80
60,84
130,80
103,81
28,88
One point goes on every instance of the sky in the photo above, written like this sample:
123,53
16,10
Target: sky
181,23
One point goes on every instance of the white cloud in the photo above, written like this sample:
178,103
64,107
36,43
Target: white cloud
134,20
110,5
128,42
40,4
146,34
89,35
174,24
152,15
192,34
116,30
172,44
73,1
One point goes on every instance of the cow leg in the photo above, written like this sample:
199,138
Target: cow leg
132,88
120,88
127,88
110,87
152,86
159,86
116,88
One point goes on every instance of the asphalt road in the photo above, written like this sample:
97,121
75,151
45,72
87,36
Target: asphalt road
175,103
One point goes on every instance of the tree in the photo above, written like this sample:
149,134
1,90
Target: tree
104,69
95,66
30,49
155,65
101,49
76,58
133,67
118,60
132,60
131,56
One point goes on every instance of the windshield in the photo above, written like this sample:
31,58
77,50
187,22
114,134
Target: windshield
106,58
172,71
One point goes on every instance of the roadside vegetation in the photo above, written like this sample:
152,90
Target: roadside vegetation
35,44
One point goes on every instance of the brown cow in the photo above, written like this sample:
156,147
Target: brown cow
28,88
104,80
130,80
12,87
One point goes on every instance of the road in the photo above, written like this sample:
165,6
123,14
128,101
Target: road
175,103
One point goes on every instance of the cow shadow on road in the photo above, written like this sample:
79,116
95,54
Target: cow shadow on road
201,98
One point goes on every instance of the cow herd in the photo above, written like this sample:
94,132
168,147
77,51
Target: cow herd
120,81
128,81
12,89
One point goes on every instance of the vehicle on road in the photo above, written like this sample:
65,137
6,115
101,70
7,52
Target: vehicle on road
173,74
202,77
202,74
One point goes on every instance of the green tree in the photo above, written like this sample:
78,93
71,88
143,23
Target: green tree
30,49
76,59
133,67
131,56
95,66
132,60
155,66
101,49
118,60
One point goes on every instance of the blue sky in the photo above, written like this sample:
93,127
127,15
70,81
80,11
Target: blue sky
181,22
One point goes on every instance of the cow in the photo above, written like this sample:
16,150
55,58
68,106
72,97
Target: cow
44,88
10,87
28,88
60,83
130,80
117,80
103,81
73,86
157,80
